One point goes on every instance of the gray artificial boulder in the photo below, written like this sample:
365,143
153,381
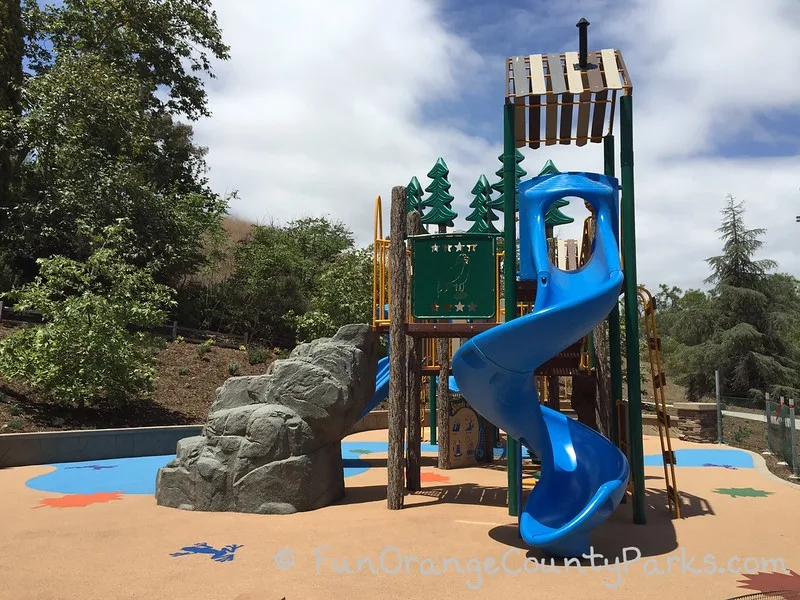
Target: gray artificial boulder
272,442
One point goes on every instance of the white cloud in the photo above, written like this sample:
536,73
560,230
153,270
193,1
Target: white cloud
320,109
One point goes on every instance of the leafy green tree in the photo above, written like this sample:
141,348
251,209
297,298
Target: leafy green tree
164,44
88,349
277,272
439,201
12,50
318,241
744,326
482,216
94,135
499,202
343,296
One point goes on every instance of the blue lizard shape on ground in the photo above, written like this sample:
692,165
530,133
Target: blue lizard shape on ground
730,467
224,554
94,467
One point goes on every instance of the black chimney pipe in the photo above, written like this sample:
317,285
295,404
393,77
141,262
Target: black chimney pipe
583,51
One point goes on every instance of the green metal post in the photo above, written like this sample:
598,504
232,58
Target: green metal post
614,338
513,450
432,407
635,442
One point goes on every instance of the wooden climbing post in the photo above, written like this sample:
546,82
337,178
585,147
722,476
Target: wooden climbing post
443,394
553,393
397,349
414,384
443,401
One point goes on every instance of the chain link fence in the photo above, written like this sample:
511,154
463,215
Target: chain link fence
742,422
782,432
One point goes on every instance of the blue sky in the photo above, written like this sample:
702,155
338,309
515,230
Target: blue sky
325,105
499,29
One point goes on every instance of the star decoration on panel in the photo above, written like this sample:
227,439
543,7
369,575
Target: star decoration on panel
459,247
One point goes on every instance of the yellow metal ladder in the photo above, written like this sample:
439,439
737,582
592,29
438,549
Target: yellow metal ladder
659,399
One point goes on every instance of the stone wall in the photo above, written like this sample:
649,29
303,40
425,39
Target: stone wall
48,447
697,421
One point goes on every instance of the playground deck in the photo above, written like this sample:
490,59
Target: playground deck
93,531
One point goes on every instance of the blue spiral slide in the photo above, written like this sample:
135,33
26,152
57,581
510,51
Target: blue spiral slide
583,474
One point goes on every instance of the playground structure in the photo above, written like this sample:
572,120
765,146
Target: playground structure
542,321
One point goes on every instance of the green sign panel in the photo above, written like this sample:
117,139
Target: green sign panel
455,276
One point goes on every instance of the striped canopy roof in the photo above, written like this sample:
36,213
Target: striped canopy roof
562,103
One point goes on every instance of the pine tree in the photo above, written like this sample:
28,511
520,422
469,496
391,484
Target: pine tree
740,327
439,201
499,202
735,267
482,216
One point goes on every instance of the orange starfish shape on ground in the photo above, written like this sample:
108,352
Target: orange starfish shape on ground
428,477
766,582
79,500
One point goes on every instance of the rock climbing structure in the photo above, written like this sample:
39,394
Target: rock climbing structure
272,442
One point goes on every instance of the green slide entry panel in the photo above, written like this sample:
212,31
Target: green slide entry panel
454,277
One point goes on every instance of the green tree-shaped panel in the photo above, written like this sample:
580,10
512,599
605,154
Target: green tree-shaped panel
482,216
499,202
414,195
554,215
439,201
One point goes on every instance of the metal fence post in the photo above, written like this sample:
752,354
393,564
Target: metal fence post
781,447
769,437
793,425
174,330
1,310
719,407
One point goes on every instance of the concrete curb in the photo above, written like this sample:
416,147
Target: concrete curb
761,466
47,447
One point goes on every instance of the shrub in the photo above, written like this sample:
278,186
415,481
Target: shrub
89,346
205,347
233,369
16,424
257,355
